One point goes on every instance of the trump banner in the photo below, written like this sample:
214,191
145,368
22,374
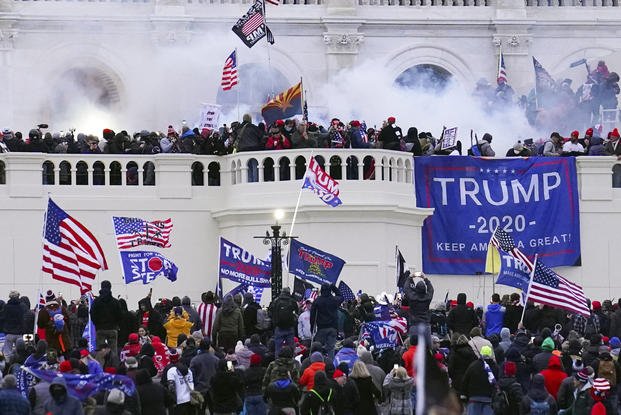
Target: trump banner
146,266
237,264
512,272
535,200
314,265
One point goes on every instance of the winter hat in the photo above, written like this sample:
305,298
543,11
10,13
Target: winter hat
510,369
614,343
548,344
108,134
355,123
316,357
84,353
583,375
601,384
174,356
476,331
110,370
575,133
337,374
255,359
65,366
391,120
486,351
132,363
487,137
14,294
596,305
470,304
50,298
577,365
133,338
116,396
589,132
614,133
605,339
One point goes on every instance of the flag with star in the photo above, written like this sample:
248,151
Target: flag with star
131,232
502,240
284,105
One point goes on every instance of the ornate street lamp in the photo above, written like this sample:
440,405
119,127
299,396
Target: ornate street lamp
276,240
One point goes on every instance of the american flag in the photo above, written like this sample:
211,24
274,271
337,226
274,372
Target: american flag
346,292
252,24
547,287
502,70
274,2
400,324
229,72
310,294
70,251
131,232
501,239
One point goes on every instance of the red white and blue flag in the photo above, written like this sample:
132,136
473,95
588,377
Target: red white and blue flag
229,72
502,70
71,253
320,183
131,232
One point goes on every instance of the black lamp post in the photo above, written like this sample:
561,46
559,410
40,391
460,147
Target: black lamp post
276,240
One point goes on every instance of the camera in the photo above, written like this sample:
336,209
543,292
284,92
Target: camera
28,337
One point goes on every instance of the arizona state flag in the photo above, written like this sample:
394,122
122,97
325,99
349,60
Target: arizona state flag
284,105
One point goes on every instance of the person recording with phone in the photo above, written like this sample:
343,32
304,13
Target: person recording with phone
419,295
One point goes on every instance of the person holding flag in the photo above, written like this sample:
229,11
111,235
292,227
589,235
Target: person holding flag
419,295
106,315
54,319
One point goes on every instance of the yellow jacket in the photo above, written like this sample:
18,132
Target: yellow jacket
174,327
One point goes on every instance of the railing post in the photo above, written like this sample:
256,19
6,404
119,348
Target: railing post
24,174
171,176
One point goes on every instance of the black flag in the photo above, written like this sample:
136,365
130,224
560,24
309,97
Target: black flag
251,27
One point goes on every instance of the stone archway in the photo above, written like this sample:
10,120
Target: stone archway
426,77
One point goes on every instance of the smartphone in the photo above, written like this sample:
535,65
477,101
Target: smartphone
229,366
396,366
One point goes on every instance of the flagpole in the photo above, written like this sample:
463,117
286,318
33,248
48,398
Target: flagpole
397,266
530,281
36,320
237,86
493,262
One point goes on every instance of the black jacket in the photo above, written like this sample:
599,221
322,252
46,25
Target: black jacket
324,311
514,394
226,391
513,315
253,380
459,359
462,319
203,368
250,138
475,381
106,312
419,297
154,398
14,317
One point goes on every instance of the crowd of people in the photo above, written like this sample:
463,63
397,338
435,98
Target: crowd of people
313,356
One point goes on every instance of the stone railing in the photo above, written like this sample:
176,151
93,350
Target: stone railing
438,3
170,170
572,3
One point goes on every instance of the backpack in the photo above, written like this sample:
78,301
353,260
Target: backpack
283,314
607,371
589,328
325,408
539,408
475,150
264,322
500,401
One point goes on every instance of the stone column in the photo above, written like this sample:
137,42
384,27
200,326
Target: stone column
341,37
8,34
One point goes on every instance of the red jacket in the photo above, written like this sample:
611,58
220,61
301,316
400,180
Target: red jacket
278,142
308,377
408,361
553,375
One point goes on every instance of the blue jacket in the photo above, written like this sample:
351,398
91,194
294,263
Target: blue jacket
12,402
324,312
346,355
14,317
67,405
494,317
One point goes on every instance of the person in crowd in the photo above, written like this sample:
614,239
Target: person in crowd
150,318
377,373
282,393
511,387
419,295
14,312
369,393
277,139
181,383
572,147
106,315
317,365
553,376
284,315
397,391
177,325
347,354
483,147
324,317
479,382
11,400
553,147
460,357
253,387
53,319
518,150
204,367
321,398
494,316
226,389
114,404
154,398
61,402
229,324
538,400
207,311
390,136
461,319
612,147
513,313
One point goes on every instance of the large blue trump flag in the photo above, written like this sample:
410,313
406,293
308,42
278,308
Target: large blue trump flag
533,199
239,265
314,265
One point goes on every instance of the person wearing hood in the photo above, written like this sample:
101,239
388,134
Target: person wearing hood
229,324
284,363
105,357
114,404
176,326
364,311
494,316
145,359
369,393
282,394
538,399
181,382
13,322
284,313
397,390
249,313
61,402
553,376
322,396
347,354
226,390
204,367
479,382
324,317
253,387
106,315
186,304
513,313
131,348
154,398
243,354
542,359
150,318
477,342
419,296
509,384
11,400
505,339
53,318
460,357
256,346
461,319
127,323
377,373
317,365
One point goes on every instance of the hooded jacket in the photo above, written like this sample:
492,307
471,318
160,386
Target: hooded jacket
174,327
419,298
14,316
553,376
308,377
282,393
505,339
475,382
324,311
461,319
62,405
106,311
538,393
494,318
229,318
398,393
153,318
460,357
282,367
377,373
542,359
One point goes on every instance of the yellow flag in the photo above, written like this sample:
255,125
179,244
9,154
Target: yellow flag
492,260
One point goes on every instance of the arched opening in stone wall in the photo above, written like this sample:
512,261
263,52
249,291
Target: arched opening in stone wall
83,97
425,77
260,83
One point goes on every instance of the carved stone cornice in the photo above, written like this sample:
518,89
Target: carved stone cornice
346,43
513,44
